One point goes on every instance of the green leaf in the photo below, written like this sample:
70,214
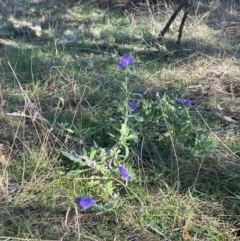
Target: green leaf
69,130
157,231
93,153
124,129
133,137
71,156
82,160
103,208
137,117
126,150
74,173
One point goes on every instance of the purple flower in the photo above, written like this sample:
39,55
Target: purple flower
124,174
133,238
180,100
185,102
125,61
122,170
132,105
126,177
188,103
85,202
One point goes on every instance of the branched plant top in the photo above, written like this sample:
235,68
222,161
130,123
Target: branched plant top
185,4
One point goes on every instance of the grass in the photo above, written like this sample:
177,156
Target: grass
62,91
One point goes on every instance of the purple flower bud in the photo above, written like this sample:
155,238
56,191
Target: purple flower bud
125,61
122,170
124,174
180,100
132,105
126,177
188,103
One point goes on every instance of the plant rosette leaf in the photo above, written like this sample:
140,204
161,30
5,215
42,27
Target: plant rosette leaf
82,160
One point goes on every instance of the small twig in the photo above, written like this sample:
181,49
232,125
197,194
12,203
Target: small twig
33,118
195,182
217,136
66,218
174,151
24,239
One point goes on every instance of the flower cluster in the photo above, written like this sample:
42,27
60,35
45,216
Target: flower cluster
124,174
181,101
125,61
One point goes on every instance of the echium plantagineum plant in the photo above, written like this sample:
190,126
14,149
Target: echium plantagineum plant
154,120
122,142
170,121
126,134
